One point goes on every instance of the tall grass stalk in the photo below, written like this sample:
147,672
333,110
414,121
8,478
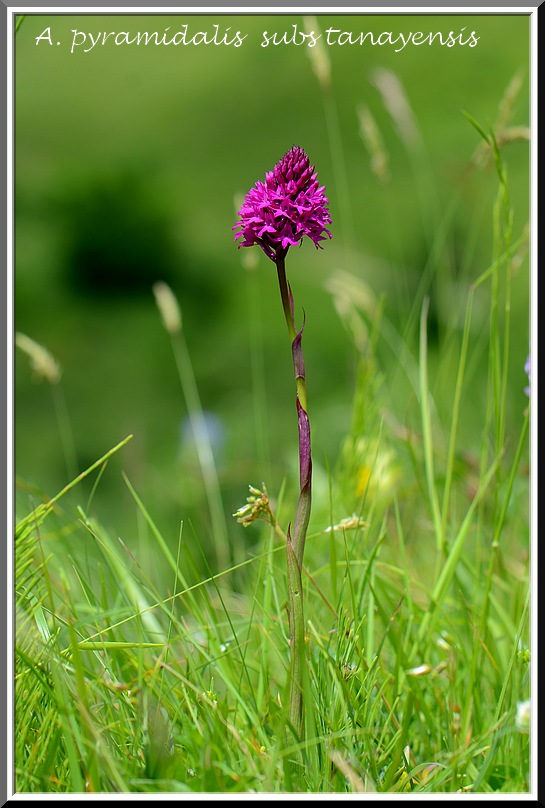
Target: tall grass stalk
427,430
259,396
46,367
172,321
322,69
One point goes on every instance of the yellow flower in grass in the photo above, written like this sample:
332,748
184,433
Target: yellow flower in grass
376,470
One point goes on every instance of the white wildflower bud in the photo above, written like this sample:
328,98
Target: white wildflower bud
522,721
420,670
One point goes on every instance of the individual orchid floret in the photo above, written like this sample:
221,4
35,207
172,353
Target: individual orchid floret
278,213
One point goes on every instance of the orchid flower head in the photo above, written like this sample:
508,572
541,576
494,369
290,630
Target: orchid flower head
278,213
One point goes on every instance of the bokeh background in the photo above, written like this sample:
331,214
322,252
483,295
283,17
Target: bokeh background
130,162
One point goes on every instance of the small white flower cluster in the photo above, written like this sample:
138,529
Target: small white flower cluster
257,507
348,523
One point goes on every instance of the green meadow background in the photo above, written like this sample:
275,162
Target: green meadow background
129,162
152,645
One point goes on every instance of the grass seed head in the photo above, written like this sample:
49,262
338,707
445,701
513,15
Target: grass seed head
41,361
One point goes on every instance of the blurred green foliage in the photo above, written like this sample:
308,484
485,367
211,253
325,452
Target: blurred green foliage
130,162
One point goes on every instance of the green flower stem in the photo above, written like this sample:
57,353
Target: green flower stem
285,295
297,642
305,463
278,530
296,540
287,304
